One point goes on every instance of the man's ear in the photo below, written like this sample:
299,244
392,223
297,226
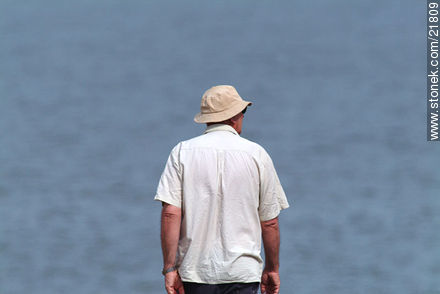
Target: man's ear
236,117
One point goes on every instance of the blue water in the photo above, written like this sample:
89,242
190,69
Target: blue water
94,94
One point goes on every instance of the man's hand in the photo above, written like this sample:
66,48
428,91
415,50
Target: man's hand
270,282
173,283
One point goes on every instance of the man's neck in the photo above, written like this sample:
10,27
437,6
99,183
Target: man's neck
227,122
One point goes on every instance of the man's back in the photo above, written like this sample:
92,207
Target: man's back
221,177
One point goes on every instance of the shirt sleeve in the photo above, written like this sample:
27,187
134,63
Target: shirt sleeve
169,189
272,196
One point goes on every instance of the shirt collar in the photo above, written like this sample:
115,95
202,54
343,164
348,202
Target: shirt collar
220,127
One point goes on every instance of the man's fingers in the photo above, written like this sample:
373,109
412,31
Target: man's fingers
179,285
269,288
274,290
181,290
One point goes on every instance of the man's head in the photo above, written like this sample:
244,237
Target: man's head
236,121
222,104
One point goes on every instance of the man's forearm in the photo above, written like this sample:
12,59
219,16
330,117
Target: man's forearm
170,231
271,241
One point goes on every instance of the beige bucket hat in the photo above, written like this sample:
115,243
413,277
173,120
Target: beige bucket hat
220,103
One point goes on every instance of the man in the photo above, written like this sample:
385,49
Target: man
220,194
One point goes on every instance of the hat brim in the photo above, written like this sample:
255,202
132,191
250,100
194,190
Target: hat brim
220,116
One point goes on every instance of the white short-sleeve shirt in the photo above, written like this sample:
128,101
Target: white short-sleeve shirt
226,185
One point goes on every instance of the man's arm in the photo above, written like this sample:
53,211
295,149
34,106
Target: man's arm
270,280
169,235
